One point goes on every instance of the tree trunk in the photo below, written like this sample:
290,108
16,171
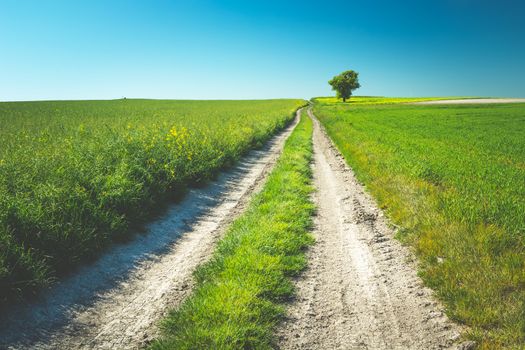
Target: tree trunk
344,99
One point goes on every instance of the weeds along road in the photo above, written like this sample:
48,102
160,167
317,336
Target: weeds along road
361,289
116,302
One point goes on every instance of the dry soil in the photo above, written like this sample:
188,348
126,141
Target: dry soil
472,101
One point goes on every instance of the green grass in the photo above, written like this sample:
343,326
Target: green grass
453,178
76,175
238,298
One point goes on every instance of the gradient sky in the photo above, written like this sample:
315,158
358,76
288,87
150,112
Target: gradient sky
102,49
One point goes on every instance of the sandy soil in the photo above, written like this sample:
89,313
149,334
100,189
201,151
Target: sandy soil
472,101
361,289
116,302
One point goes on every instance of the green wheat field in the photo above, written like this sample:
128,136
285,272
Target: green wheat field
76,175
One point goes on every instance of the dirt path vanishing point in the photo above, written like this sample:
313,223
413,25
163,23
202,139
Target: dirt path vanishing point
472,101
116,302
361,289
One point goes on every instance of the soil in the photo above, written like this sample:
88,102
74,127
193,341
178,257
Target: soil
472,101
361,289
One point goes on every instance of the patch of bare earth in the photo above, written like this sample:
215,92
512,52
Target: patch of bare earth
116,303
472,101
361,289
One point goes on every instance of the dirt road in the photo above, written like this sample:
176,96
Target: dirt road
117,302
361,290
472,101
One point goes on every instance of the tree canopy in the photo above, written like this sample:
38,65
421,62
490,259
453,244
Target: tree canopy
345,83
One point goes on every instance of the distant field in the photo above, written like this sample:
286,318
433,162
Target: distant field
375,100
453,178
75,175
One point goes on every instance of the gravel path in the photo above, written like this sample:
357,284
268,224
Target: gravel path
472,101
116,302
361,289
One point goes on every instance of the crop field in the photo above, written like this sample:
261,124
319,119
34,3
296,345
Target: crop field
452,177
76,175
377,100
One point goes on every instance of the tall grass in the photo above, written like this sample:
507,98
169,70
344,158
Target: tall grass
453,178
237,301
75,175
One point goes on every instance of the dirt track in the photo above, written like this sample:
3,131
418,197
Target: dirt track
117,302
361,290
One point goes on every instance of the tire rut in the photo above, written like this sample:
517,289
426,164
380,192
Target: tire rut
361,289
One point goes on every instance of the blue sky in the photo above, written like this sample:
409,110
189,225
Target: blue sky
58,49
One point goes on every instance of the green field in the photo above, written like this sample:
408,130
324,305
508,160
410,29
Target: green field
453,179
76,175
240,293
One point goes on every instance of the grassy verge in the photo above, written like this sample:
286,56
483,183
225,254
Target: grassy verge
452,177
237,300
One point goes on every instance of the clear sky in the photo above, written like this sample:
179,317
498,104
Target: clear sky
234,49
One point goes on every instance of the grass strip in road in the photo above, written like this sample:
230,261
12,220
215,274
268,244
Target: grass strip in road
238,299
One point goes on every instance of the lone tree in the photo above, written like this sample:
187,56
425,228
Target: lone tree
345,83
